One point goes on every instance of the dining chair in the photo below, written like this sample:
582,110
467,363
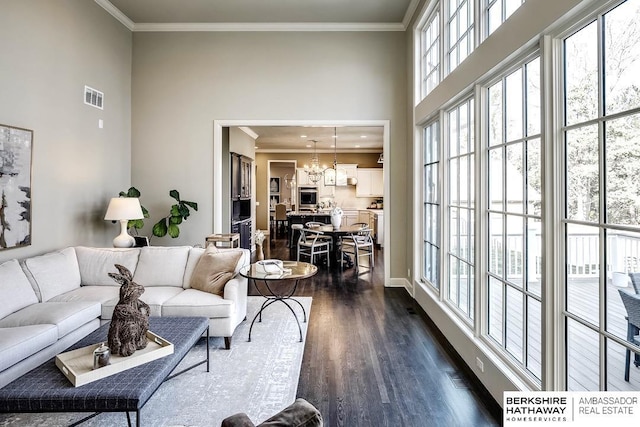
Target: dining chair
311,244
632,305
281,217
359,244
292,233
315,224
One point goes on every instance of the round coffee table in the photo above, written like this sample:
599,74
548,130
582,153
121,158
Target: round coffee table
292,272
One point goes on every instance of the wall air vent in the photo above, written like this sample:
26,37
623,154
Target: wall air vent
93,97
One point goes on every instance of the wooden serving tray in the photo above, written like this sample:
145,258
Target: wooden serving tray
77,365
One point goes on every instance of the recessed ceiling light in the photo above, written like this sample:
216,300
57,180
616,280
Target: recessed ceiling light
303,136
357,146
256,147
332,145
308,146
363,136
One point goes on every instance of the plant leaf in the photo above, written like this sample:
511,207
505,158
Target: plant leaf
136,223
192,205
175,210
133,192
174,230
160,228
145,212
175,220
175,194
184,211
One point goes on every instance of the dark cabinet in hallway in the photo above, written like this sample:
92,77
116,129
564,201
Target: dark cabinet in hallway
240,177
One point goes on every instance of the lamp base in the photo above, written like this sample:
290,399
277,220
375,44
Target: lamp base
123,240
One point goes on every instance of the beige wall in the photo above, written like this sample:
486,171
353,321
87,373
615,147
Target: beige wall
184,81
48,52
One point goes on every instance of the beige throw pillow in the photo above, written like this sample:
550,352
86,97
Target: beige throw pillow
214,269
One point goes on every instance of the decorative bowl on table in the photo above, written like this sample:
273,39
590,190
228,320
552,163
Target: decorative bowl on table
269,266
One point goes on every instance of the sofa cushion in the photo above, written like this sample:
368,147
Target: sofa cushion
100,294
154,296
214,269
21,342
67,316
192,302
95,263
161,266
54,273
15,290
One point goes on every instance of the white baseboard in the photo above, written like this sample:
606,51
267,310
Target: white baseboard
399,282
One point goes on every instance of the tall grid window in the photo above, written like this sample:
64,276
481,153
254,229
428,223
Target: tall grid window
459,31
497,11
460,162
430,48
431,204
515,215
601,142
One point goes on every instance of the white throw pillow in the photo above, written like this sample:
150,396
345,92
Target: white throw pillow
54,273
15,290
161,266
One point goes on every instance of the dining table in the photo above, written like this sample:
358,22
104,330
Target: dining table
336,234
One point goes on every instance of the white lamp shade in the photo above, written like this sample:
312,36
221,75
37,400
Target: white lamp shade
124,208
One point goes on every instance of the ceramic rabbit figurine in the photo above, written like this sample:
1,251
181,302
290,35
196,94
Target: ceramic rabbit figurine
130,320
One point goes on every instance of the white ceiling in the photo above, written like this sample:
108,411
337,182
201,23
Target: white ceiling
276,15
300,138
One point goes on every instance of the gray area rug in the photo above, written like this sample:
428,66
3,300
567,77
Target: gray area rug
259,378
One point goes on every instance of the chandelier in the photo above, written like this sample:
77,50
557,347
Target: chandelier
314,172
336,176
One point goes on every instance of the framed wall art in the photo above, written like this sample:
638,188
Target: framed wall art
274,186
15,186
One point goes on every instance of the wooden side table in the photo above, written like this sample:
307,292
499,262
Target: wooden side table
228,240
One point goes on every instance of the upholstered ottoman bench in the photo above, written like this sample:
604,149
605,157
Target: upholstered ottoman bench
46,389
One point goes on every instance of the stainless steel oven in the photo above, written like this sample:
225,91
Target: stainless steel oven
308,197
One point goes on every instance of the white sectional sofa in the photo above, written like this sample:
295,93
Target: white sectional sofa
50,301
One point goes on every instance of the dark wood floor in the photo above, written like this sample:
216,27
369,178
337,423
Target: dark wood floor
373,358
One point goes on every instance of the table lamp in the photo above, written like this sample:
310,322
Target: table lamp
123,209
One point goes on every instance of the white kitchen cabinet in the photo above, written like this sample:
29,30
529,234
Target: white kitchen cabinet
378,227
370,182
302,179
350,169
365,217
350,217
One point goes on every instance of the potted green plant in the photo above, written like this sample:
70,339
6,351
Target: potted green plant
178,212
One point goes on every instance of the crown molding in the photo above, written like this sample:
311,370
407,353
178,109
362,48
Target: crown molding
249,132
116,13
268,26
408,16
